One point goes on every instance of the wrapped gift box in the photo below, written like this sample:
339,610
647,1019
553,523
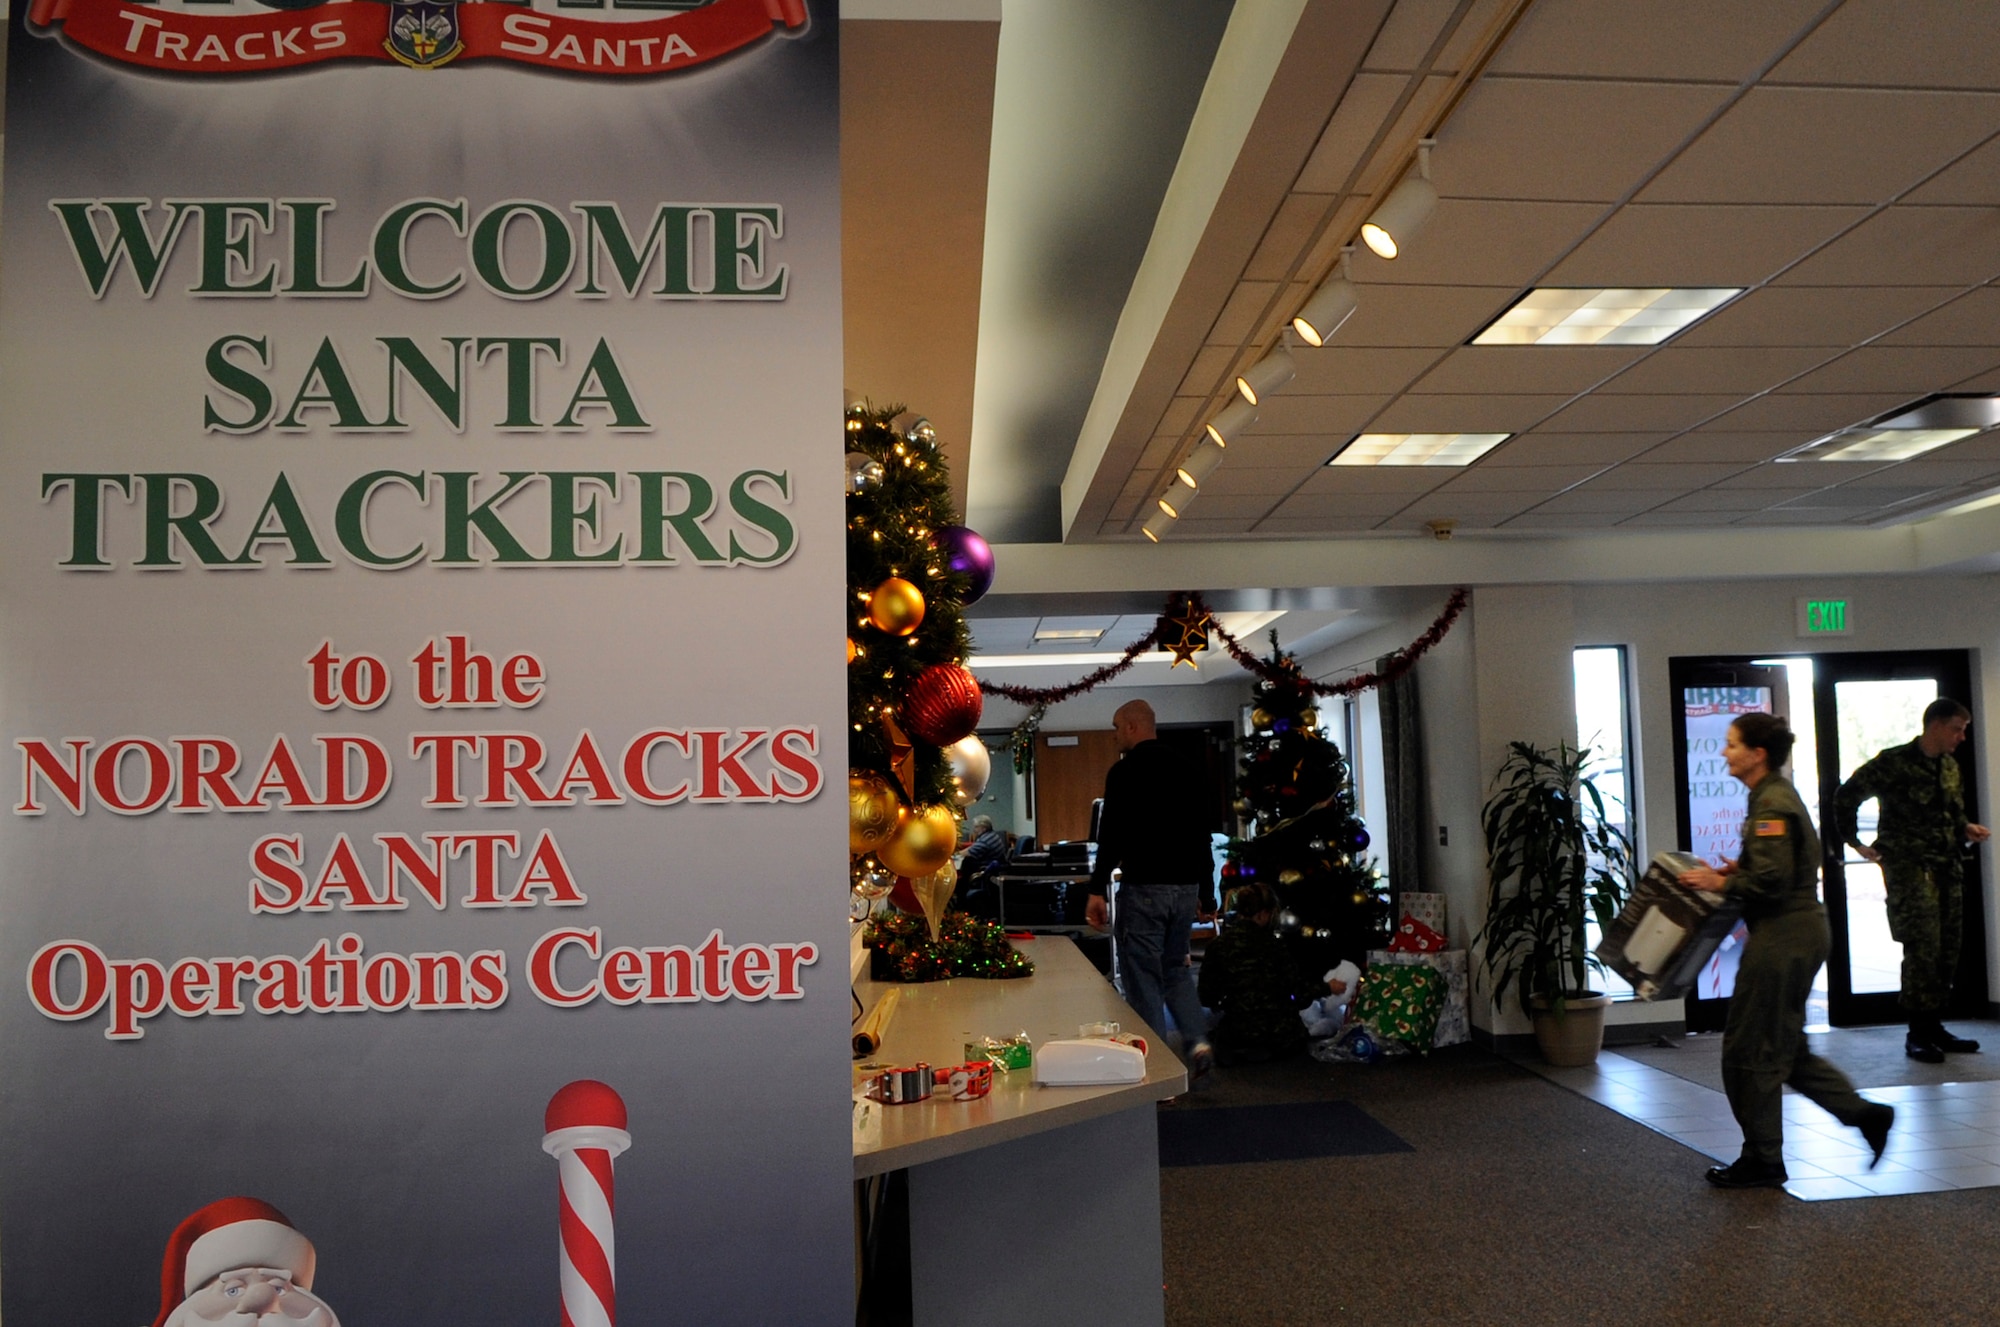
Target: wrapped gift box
1426,908
1454,1022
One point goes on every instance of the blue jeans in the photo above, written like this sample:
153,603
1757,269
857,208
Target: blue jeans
1151,929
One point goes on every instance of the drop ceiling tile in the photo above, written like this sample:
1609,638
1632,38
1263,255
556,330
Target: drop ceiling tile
1973,181
1792,516
1374,479
1374,506
1519,369
1564,138
1426,413
1594,501
1415,518
1729,499
1603,412
1159,449
1739,369
1542,519
1807,475
1519,478
1232,506
1348,135
1482,242
1722,40
1408,33
1815,145
1343,368
1296,452
1695,244
1240,317
1983,447
1910,246
1466,505
1985,382
1737,448
1680,518
1910,43
1342,414
1209,367
1180,414
1414,315
1812,413
1929,473
1242,481
1911,371
1811,315
1667,478
1298,219
1972,319
1121,513
1595,450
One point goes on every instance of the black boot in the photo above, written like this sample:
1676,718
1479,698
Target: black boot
1934,1033
1743,1173
1918,1046
1875,1128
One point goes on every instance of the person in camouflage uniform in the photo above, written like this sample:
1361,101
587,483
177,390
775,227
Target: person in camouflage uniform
1920,842
1252,985
1764,1046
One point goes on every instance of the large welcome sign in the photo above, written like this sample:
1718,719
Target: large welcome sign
418,619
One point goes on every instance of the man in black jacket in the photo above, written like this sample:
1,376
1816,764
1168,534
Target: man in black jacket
1154,828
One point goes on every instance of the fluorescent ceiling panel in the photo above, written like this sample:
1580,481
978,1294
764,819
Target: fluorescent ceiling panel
1877,444
1418,448
1564,316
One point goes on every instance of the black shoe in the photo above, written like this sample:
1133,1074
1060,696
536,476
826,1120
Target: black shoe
1875,1129
1919,1049
1944,1041
1744,1173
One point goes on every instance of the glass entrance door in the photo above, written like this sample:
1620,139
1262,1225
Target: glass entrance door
1865,703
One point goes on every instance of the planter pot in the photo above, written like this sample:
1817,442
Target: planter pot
1574,1036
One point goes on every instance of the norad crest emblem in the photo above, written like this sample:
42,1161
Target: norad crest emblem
423,34
612,37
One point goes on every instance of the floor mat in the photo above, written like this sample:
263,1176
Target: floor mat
1288,1131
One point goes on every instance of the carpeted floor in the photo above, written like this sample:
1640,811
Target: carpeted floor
1525,1203
1872,1057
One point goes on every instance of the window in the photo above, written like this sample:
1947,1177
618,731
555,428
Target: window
1603,727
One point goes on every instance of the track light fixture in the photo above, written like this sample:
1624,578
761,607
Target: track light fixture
1238,416
1405,210
1159,525
1331,305
1200,464
1267,375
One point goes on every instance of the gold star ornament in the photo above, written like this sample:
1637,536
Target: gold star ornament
1184,633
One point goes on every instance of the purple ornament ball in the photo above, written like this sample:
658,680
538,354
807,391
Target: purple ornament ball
1358,841
966,553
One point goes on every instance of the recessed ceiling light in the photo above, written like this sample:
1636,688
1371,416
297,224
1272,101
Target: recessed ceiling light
1562,316
1418,448
1932,423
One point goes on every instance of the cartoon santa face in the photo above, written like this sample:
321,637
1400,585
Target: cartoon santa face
238,1262
253,1297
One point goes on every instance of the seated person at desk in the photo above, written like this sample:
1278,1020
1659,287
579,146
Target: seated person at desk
984,851
1250,982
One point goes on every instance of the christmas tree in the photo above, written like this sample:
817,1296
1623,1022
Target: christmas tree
912,703
1308,845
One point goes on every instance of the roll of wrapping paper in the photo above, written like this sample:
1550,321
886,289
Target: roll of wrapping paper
869,1032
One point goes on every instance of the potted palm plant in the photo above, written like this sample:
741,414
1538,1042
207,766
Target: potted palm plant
1553,859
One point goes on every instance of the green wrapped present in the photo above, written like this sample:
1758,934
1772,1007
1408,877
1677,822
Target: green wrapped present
1400,1003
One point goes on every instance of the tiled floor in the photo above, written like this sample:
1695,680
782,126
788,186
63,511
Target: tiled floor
1947,1135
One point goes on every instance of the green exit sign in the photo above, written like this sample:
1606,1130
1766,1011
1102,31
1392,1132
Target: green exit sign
1824,617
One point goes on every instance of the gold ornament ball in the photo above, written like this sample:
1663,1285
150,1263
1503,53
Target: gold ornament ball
1289,877
923,843
897,607
850,649
873,811
1260,718
1309,719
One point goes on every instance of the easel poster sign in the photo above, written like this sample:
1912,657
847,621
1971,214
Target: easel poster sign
419,616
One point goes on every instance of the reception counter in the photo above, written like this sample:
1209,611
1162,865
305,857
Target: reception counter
1037,1204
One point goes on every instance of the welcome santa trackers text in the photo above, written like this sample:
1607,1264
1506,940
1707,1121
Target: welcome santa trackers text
73,979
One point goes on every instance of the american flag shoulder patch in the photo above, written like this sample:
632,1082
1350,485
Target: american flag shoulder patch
1770,829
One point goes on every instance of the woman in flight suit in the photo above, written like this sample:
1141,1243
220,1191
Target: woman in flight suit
1764,1043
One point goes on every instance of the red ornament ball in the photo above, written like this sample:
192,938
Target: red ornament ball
943,705
904,896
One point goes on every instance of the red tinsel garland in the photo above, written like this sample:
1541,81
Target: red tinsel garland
1401,662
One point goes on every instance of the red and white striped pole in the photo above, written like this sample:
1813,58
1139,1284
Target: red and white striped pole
586,1129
